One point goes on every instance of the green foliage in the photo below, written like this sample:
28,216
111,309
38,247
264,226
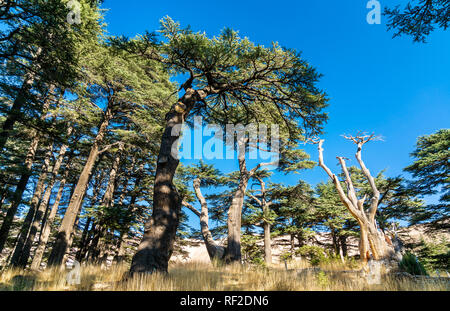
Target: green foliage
251,251
431,170
323,279
295,209
315,254
435,255
419,18
286,256
330,211
412,265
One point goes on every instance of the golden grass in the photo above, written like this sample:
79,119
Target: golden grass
204,277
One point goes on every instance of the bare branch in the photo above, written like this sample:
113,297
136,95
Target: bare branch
351,189
362,137
255,198
321,162
106,148
348,203
193,209
376,193
257,167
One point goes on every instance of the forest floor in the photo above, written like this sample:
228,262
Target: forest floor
205,277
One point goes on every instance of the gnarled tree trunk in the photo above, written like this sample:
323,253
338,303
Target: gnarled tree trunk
156,246
372,243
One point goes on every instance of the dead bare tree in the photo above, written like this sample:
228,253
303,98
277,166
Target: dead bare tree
373,242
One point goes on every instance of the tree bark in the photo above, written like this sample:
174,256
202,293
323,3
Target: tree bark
266,225
108,200
33,218
22,184
84,240
156,246
15,112
233,250
372,242
215,251
67,226
46,230
43,204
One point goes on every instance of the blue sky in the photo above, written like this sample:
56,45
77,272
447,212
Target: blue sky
375,83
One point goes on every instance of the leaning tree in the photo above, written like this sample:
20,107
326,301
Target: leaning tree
224,72
373,241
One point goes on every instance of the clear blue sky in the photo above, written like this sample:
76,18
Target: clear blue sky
392,87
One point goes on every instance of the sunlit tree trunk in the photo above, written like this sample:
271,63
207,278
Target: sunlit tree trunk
215,251
372,243
67,226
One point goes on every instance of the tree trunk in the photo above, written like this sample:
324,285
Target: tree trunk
32,220
233,250
121,243
84,240
43,206
156,246
121,248
68,222
372,241
15,112
46,230
22,184
215,251
343,244
267,244
108,199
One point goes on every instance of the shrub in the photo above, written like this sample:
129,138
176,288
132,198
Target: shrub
251,251
412,265
315,254
435,255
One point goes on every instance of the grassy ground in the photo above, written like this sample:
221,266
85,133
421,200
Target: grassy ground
196,276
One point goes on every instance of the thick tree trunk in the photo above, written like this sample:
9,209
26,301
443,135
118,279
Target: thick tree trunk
33,218
156,246
233,250
68,222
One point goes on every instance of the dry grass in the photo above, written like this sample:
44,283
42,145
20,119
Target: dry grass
202,277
